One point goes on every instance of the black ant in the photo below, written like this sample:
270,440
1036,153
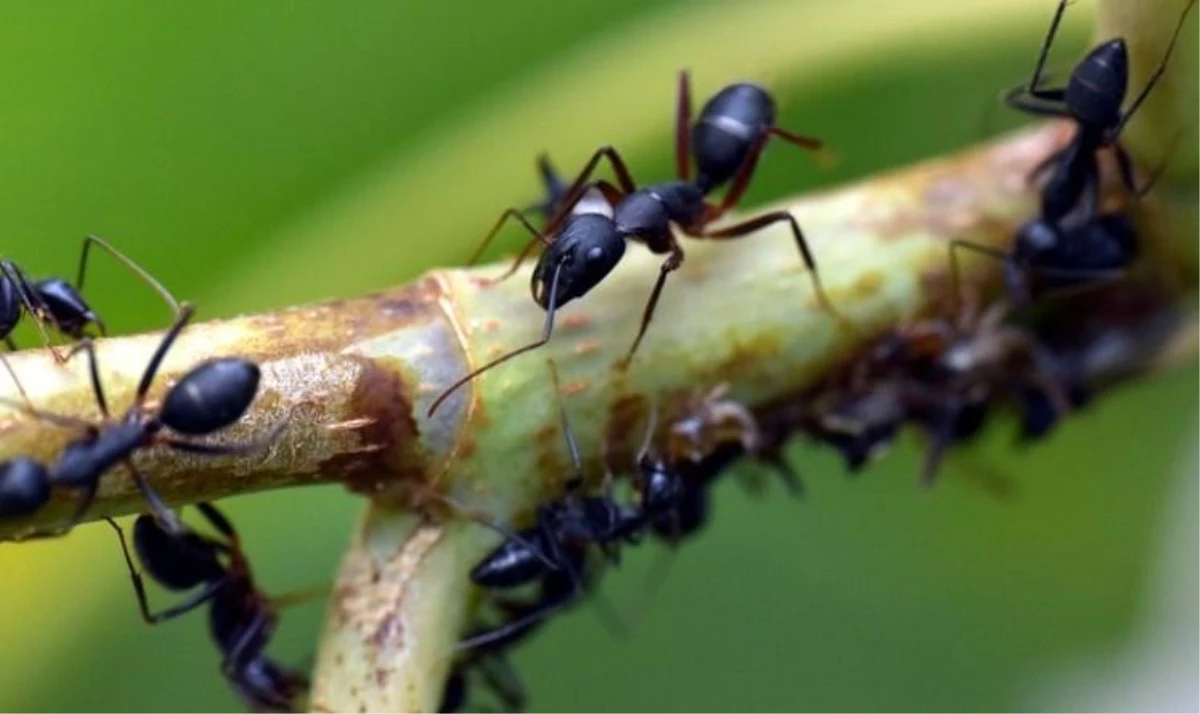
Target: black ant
583,248
209,397
1092,99
54,302
552,551
241,618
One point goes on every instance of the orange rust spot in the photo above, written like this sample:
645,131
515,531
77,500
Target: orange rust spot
625,413
572,388
387,427
490,325
733,367
584,347
550,464
575,322
868,284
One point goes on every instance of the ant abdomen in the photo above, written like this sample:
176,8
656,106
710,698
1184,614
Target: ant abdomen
175,561
728,125
24,487
1097,86
210,397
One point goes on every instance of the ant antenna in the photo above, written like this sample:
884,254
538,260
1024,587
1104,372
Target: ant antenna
568,432
547,330
1158,72
128,263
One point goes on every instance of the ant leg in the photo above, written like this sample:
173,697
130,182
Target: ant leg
956,268
683,128
1046,103
516,627
128,263
184,316
754,224
673,261
538,236
162,513
86,345
236,655
153,618
1158,73
741,180
547,331
579,187
1032,88
26,406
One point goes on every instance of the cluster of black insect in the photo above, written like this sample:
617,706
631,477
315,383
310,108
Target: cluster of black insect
207,399
1036,351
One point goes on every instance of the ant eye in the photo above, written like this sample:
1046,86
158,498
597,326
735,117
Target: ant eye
594,254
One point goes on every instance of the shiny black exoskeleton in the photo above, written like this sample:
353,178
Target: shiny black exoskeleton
241,618
553,550
55,303
1067,239
24,487
211,396
1092,99
583,248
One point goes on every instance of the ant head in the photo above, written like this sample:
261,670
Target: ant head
24,487
176,561
584,253
1097,87
211,396
67,307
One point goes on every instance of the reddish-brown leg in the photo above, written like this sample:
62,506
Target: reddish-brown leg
749,226
741,180
673,261
538,237
579,187
683,128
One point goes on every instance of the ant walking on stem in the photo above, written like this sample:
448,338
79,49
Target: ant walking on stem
211,396
241,618
54,302
1068,238
581,249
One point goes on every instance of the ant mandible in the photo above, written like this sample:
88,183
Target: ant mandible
241,617
56,303
209,397
1092,100
583,248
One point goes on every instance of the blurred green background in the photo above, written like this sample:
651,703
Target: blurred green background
256,154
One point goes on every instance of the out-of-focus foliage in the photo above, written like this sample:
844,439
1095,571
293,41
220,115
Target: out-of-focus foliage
202,139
